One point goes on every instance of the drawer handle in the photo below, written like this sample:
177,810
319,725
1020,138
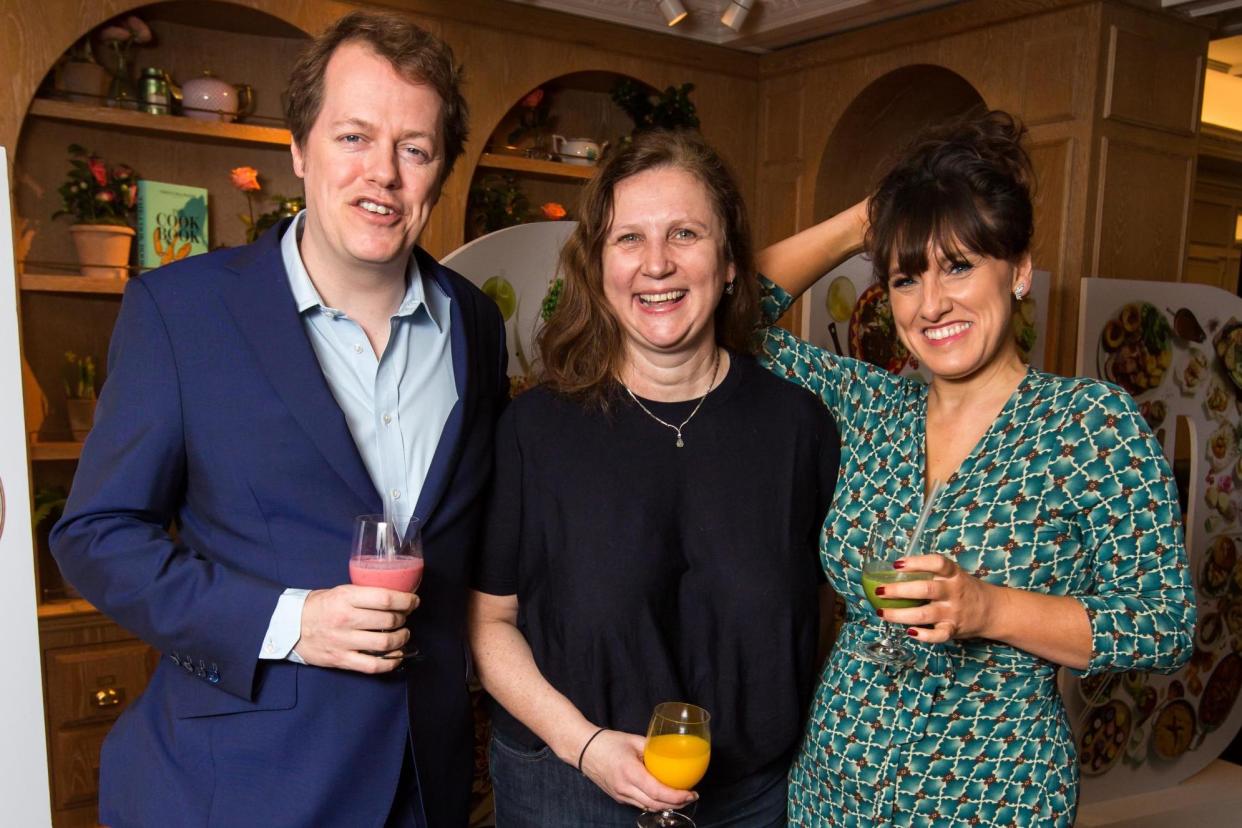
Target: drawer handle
109,697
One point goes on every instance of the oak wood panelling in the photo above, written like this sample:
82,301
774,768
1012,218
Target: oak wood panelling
780,130
1053,161
1151,83
1211,221
1141,211
1050,77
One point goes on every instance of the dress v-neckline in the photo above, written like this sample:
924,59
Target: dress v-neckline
971,459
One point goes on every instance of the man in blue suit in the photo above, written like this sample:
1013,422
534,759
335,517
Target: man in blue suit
259,399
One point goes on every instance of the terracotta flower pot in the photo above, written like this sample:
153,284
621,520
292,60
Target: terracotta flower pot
103,249
81,417
83,82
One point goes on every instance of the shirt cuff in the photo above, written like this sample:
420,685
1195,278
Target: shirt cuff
285,628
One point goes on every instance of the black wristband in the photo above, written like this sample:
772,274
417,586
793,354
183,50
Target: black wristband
587,745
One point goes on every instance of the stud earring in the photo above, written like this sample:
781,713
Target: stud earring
1018,291
728,288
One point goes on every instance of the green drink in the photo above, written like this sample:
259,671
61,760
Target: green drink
873,578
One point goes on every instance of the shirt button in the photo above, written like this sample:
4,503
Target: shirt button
387,419
269,647
357,349
396,494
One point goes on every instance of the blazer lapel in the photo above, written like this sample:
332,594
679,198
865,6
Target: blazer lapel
444,461
262,306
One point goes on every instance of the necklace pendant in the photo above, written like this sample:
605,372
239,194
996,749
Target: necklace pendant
680,442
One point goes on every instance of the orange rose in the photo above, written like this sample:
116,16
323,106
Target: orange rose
553,211
246,179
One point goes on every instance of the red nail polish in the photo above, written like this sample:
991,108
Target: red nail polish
879,590
880,613
899,564
912,632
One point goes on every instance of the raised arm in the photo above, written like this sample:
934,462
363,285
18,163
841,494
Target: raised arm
797,262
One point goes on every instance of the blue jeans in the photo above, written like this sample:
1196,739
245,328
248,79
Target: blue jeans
535,789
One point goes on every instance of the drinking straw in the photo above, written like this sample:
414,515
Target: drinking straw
927,507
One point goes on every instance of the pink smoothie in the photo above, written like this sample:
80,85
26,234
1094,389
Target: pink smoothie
401,572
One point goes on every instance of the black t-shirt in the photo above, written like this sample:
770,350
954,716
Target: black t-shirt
648,573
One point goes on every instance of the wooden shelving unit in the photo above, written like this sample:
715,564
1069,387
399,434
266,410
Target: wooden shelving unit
54,283
65,608
59,450
533,166
171,125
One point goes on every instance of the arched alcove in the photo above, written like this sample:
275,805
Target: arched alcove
578,105
878,123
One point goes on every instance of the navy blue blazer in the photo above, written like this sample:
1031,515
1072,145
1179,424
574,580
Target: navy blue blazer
216,416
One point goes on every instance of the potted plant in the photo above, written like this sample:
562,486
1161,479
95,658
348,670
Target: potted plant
79,77
80,393
670,109
101,200
246,179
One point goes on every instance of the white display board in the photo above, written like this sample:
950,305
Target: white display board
23,758
1177,348
525,258
848,313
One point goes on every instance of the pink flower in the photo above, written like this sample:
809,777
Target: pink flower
142,32
552,211
533,99
105,196
118,34
246,179
121,172
98,170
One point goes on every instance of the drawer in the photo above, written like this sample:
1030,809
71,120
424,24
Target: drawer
75,765
94,683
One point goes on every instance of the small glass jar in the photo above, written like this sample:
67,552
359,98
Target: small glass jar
153,89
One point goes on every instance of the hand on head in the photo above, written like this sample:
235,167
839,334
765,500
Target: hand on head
343,626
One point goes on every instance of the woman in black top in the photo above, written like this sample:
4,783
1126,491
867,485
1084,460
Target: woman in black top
655,515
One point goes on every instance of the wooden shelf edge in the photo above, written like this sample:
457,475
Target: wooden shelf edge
532,166
65,607
158,124
53,283
55,450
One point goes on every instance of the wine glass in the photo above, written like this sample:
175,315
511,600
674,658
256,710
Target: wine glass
886,542
679,745
387,552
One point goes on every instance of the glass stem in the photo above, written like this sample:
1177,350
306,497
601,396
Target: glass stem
893,635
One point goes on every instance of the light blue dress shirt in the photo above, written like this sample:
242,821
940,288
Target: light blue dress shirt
395,404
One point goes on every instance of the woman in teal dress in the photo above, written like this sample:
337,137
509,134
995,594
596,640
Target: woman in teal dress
1055,540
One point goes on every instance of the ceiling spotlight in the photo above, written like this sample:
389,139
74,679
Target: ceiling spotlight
674,12
735,15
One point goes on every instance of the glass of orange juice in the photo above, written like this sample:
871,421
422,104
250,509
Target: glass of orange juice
679,746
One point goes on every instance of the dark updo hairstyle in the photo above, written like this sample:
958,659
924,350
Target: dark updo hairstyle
961,187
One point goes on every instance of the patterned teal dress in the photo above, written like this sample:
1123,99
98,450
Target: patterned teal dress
1067,494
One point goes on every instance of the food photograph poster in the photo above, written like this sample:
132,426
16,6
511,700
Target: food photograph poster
516,267
1177,349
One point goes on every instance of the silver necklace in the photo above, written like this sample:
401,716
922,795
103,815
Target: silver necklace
677,428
